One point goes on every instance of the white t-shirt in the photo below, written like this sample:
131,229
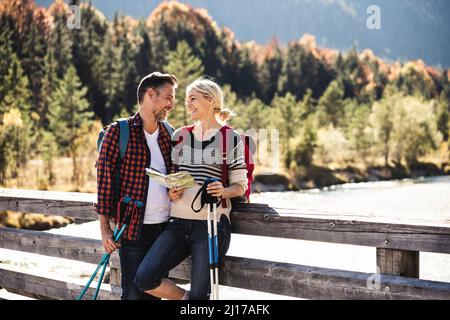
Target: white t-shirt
157,209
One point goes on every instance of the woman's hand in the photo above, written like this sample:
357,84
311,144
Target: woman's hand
175,194
216,189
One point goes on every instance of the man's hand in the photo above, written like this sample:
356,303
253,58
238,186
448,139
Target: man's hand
175,194
107,235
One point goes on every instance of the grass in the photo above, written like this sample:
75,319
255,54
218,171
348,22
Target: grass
34,177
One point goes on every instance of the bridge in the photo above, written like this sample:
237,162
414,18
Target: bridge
398,244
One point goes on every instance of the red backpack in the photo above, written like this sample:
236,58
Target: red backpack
249,148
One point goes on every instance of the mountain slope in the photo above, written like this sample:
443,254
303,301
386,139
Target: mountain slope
410,29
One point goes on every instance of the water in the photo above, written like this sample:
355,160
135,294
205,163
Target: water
422,199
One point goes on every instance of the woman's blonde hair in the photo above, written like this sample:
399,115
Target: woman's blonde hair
210,89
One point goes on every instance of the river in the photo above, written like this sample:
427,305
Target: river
423,198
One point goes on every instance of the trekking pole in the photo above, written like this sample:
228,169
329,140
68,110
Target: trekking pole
211,252
213,247
103,263
216,254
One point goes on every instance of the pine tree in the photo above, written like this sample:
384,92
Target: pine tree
381,120
253,114
15,90
330,106
269,74
307,142
127,70
60,40
14,145
186,67
69,111
286,118
88,43
112,86
49,84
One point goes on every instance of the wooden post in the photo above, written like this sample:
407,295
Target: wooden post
403,263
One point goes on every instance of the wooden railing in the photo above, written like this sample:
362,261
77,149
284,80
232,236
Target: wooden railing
397,254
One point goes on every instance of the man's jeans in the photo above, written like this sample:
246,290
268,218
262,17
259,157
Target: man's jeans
131,254
180,239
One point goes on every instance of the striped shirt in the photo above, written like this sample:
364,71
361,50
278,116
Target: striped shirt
203,159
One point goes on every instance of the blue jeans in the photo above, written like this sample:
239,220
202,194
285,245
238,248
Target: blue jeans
180,239
131,254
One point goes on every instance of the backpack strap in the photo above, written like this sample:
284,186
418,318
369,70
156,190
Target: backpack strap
168,127
223,131
124,135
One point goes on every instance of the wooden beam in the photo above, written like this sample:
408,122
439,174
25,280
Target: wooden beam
319,283
54,245
68,204
29,284
279,278
262,220
293,224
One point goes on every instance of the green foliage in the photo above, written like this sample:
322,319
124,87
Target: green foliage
14,145
68,110
15,89
48,150
405,127
287,114
357,129
330,105
187,68
88,49
302,70
306,142
269,74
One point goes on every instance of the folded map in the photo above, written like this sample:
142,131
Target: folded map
182,179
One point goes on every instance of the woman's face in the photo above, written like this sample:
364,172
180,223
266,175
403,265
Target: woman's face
198,105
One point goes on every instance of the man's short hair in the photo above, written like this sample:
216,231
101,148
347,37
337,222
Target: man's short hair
154,80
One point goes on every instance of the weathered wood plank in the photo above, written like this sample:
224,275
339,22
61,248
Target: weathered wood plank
272,223
68,204
318,283
26,283
398,262
259,219
54,245
266,276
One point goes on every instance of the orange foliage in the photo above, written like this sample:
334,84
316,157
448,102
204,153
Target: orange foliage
198,20
26,13
58,8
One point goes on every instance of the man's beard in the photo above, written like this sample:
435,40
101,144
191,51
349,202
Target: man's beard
160,116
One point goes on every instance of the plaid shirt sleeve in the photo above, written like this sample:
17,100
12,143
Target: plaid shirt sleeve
106,166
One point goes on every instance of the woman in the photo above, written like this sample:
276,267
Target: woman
199,152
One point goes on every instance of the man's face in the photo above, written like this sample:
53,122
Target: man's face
162,101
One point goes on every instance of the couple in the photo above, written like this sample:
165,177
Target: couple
164,229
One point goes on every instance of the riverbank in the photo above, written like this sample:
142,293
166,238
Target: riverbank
313,177
300,178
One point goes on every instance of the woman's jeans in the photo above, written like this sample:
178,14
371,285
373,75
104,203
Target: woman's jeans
180,239
131,253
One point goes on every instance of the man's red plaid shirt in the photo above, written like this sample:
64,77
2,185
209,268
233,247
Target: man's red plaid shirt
133,180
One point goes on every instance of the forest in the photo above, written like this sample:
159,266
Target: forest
341,116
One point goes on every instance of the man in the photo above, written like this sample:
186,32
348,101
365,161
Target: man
146,204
